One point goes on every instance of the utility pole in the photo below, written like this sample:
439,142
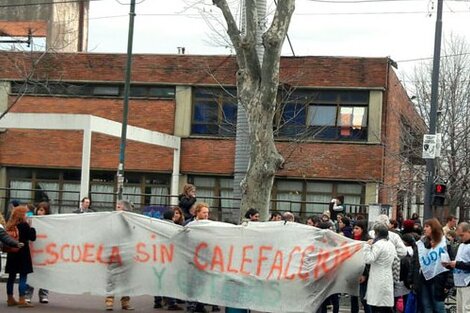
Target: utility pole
125,111
431,163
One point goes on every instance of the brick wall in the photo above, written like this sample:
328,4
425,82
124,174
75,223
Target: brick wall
157,115
192,69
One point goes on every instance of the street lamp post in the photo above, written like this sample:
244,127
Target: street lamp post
430,163
125,111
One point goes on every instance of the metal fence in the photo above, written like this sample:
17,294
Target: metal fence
222,208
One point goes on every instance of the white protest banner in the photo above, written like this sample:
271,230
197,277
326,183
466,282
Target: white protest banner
272,266
430,259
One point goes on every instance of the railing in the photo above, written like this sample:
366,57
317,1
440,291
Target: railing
221,209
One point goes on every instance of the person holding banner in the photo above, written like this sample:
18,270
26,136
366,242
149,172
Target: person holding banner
380,253
121,205
19,262
461,266
431,279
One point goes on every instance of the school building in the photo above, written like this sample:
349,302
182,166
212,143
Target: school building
345,126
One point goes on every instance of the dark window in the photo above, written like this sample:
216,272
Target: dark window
92,90
325,115
214,112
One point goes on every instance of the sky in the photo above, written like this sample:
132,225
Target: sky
401,29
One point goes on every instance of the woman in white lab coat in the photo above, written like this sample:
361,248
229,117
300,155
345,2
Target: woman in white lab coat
380,253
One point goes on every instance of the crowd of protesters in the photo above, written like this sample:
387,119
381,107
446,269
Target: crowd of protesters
395,276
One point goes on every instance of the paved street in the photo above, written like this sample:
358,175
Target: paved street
85,303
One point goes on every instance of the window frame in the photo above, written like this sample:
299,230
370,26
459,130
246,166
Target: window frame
295,115
223,100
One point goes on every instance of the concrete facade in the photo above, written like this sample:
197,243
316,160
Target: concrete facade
64,25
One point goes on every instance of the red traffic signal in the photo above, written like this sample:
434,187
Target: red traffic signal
440,189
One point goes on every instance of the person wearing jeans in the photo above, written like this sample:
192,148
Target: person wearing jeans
19,262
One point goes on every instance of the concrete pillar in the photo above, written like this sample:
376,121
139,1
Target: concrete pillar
375,116
86,157
372,193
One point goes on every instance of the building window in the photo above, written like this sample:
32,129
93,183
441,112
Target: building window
325,115
215,191
306,198
92,90
62,188
214,112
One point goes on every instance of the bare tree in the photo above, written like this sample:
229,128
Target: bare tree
257,85
453,120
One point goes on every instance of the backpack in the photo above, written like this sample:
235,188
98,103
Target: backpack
13,233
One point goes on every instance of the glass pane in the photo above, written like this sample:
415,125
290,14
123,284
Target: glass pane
229,113
162,92
292,186
349,188
317,203
138,91
226,183
288,201
205,112
47,191
47,174
132,194
355,96
293,114
200,181
355,117
102,197
348,199
70,197
205,195
226,203
320,187
106,91
321,115
21,191
158,196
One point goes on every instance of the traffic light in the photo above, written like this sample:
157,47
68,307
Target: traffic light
439,194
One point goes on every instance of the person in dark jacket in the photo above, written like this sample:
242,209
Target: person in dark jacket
431,292
6,239
19,262
360,233
187,200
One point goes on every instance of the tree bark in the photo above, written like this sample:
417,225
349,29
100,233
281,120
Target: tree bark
257,86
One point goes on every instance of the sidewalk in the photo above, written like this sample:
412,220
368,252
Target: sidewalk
62,303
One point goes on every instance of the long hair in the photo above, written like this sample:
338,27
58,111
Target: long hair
188,188
2,220
44,205
17,216
436,230
180,221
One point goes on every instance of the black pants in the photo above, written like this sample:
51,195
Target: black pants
381,309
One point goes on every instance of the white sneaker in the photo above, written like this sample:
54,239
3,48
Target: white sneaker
27,300
44,300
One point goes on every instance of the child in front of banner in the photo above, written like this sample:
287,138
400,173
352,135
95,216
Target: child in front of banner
461,266
431,279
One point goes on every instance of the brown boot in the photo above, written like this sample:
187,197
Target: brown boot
125,304
23,304
109,302
11,301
